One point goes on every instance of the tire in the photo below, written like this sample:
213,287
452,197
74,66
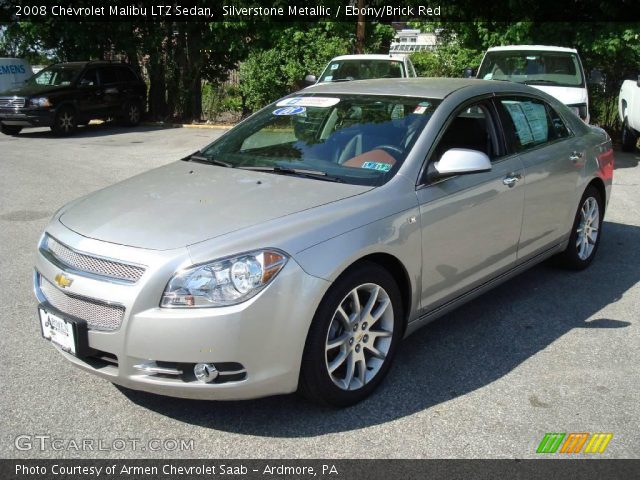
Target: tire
629,137
65,122
11,129
132,114
583,245
347,357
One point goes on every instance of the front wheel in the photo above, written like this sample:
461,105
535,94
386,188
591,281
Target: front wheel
353,337
11,129
629,137
585,233
65,122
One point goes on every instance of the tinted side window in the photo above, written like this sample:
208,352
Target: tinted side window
108,75
89,78
533,122
472,129
126,75
560,129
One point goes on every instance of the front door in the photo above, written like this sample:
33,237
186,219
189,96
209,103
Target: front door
470,223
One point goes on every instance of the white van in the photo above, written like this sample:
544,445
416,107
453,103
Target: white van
555,70
13,72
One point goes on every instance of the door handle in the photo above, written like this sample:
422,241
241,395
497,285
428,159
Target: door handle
511,179
575,156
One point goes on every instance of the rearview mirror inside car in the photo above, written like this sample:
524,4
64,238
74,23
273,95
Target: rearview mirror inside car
459,161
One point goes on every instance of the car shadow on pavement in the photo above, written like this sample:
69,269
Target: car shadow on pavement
92,130
461,352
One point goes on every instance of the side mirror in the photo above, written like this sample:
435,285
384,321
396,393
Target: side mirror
310,79
460,161
469,72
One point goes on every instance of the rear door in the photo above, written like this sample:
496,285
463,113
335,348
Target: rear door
470,223
112,88
90,100
553,158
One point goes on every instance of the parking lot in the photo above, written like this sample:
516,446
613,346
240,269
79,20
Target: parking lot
549,351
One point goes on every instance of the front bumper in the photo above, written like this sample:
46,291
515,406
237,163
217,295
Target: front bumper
260,342
27,117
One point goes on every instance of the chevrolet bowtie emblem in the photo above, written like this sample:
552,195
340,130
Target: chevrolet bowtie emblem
63,281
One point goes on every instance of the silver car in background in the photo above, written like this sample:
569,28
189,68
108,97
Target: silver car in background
295,252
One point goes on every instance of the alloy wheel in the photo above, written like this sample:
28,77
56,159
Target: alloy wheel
359,336
134,114
588,228
66,122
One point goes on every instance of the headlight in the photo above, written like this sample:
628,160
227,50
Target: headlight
580,110
227,281
40,102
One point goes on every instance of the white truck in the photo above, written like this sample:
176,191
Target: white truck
629,111
13,72
555,70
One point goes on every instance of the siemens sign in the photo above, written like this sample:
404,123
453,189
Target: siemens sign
13,69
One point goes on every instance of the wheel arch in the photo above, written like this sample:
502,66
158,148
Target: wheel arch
599,185
398,271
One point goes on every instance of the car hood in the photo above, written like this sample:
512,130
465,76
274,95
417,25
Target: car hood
184,203
29,90
567,95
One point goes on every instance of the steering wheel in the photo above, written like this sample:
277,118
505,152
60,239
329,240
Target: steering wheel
392,149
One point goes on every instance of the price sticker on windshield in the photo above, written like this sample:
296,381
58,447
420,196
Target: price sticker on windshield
322,102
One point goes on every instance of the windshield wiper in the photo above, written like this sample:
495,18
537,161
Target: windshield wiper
202,159
539,81
300,172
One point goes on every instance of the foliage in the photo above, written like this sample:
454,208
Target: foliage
447,60
269,74
218,99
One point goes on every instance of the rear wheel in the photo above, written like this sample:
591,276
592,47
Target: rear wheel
353,337
65,122
629,137
132,114
585,234
11,129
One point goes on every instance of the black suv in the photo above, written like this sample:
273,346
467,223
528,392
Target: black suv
65,95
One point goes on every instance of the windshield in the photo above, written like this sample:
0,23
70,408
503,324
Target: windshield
354,139
57,75
342,70
533,68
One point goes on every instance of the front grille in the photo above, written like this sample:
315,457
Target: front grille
98,315
91,264
12,102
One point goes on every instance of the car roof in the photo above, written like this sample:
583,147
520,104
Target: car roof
369,56
437,88
544,48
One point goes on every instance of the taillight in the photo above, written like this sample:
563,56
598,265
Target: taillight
605,159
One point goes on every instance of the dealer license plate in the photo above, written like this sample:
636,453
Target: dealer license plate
58,330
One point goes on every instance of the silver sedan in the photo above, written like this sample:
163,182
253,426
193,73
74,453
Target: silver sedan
297,250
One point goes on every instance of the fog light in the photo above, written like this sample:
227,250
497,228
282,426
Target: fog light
205,372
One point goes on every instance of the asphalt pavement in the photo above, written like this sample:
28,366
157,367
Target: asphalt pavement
548,351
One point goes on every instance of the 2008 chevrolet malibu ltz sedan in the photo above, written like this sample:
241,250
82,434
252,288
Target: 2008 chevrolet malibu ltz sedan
298,249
